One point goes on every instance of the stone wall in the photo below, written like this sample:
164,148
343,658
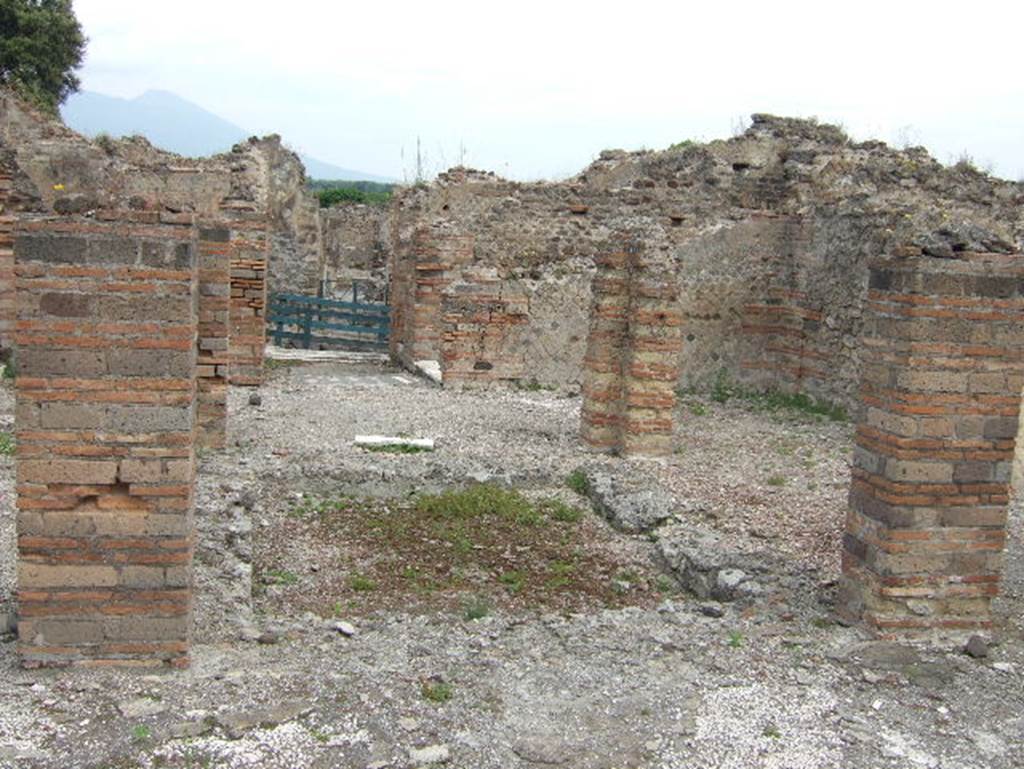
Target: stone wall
212,364
57,170
6,262
768,234
943,368
106,409
355,251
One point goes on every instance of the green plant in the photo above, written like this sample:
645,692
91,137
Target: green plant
685,144
397,448
723,389
533,385
361,583
7,446
141,733
562,512
280,577
577,481
772,731
735,639
437,691
41,46
697,408
10,371
513,580
777,480
350,193
476,608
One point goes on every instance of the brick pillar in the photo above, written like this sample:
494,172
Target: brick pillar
607,343
106,339
943,361
248,334
422,274
6,264
631,368
213,361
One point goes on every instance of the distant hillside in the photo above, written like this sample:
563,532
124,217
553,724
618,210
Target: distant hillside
176,125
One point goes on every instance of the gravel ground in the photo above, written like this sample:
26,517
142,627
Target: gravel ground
769,683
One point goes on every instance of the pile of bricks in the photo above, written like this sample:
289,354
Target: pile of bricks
248,333
106,335
479,319
943,356
634,345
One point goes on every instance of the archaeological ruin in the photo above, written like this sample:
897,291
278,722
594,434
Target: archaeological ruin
134,286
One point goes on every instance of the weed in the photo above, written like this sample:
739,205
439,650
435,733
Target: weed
772,731
724,389
533,386
361,583
821,623
477,608
513,580
577,481
319,736
10,372
685,144
6,444
697,408
141,733
777,480
735,639
397,448
437,691
272,364
664,584
280,577
562,512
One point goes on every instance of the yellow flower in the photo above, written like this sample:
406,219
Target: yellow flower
58,187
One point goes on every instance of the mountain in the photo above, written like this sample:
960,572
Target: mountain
177,125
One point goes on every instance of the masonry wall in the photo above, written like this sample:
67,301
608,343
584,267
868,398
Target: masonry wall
213,358
248,247
107,336
355,251
633,351
6,264
479,318
426,265
943,353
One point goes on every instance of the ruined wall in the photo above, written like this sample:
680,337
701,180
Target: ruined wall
107,335
355,250
61,171
769,238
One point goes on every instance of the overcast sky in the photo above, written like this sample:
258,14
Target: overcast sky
537,89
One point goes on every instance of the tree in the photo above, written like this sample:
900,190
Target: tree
41,46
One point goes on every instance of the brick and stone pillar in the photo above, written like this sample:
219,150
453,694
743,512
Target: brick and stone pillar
6,263
249,247
424,269
212,368
106,390
943,366
631,368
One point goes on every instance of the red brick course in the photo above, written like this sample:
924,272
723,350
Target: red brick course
107,331
943,368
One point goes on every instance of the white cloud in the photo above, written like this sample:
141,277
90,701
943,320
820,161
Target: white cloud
543,86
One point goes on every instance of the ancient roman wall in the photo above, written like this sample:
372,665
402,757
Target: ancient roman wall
943,352
106,416
6,262
769,236
633,351
355,251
